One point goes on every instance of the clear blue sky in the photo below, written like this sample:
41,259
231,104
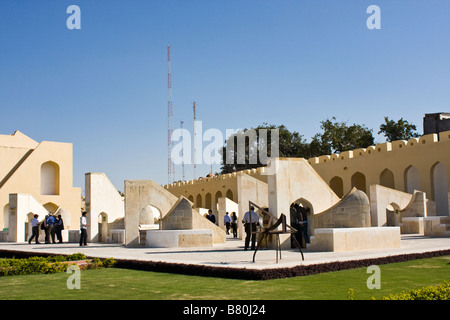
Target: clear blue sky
292,62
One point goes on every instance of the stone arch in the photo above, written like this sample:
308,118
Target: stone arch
208,204
359,181
149,215
217,196
28,227
306,204
198,201
103,229
412,180
229,194
5,216
393,214
387,179
191,198
51,207
337,185
50,178
309,215
439,187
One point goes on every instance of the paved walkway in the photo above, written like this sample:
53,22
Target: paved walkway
232,254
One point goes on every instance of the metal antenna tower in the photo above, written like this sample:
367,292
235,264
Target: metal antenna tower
195,139
182,150
170,164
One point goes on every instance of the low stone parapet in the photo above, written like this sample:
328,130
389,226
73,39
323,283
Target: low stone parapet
178,238
411,225
438,226
352,239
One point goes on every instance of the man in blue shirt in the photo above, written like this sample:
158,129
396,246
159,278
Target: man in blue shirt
50,226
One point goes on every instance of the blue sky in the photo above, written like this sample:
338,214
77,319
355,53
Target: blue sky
245,62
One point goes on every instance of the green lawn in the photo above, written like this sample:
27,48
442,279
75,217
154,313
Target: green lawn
115,283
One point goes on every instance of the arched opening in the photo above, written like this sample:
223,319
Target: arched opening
393,215
208,201
217,196
412,181
191,198
103,229
5,217
387,179
28,227
439,185
198,201
337,185
301,210
229,194
50,207
359,181
50,178
149,215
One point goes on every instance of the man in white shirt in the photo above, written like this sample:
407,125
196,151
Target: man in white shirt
250,220
83,229
35,229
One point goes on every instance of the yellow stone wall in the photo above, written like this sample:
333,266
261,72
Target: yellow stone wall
388,164
21,161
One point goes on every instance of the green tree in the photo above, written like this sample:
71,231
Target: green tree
338,137
400,130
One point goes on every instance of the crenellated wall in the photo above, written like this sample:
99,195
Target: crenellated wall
205,192
419,163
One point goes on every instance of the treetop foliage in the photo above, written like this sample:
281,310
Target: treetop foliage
335,137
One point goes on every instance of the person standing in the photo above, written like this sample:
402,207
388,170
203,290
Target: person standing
227,222
294,219
51,227
303,226
250,220
34,229
211,217
45,228
234,224
83,229
59,227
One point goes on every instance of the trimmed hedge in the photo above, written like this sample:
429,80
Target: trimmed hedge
50,264
441,292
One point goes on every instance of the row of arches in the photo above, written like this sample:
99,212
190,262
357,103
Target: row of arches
438,176
207,203
49,207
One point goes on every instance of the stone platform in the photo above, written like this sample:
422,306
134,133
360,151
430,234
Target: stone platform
232,253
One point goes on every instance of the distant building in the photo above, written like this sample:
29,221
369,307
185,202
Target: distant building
436,123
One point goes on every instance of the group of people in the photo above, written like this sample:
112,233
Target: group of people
53,226
229,221
298,220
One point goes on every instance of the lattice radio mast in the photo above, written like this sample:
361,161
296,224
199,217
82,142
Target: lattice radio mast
182,150
170,164
195,140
